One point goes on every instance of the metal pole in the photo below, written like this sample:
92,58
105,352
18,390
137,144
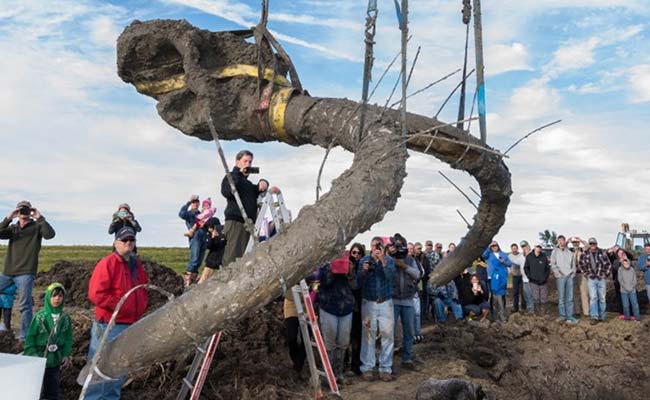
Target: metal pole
480,69
248,224
404,28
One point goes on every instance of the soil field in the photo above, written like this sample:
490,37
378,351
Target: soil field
529,357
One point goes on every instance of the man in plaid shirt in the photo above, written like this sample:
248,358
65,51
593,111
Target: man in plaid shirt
595,265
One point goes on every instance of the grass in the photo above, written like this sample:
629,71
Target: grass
172,257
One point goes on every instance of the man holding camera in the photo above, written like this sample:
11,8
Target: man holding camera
404,287
21,261
375,277
235,231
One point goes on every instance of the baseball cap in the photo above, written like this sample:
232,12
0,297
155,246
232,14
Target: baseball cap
523,243
125,232
24,203
592,240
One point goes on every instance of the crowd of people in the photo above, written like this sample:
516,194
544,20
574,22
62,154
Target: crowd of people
48,334
384,294
381,293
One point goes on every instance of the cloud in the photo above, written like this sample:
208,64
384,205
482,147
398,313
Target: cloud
534,100
639,83
504,58
243,15
576,55
103,31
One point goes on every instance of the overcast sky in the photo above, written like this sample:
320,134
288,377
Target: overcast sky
78,141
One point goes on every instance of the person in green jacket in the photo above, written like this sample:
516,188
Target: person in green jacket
50,336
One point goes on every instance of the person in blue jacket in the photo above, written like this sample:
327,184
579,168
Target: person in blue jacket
497,268
644,266
6,303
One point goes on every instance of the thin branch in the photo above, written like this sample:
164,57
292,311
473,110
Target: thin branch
459,189
427,86
320,170
415,60
529,134
386,71
464,219
474,146
452,93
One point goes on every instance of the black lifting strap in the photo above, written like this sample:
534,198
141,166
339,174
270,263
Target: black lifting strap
264,37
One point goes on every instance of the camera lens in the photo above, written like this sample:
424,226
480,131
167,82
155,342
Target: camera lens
25,211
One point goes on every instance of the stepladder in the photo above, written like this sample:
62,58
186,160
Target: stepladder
312,337
192,384
271,208
268,203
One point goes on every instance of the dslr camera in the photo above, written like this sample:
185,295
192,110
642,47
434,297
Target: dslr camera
25,211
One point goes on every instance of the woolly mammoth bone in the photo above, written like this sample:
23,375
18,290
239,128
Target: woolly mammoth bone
194,73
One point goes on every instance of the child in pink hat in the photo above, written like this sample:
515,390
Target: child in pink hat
207,211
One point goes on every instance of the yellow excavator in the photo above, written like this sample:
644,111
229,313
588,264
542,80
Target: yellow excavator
632,240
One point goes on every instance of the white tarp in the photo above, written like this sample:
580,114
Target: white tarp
21,376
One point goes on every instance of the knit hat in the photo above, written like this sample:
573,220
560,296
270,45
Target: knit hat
207,203
124,205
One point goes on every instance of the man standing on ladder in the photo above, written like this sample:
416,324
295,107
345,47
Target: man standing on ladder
235,230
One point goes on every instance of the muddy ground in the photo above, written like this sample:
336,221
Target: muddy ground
529,357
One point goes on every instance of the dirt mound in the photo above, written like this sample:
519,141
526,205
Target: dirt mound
537,358
9,343
75,276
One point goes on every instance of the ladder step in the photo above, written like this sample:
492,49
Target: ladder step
189,384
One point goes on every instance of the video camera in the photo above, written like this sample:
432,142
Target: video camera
251,170
401,246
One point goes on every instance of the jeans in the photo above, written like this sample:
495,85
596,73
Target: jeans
565,296
440,304
295,343
197,251
336,334
51,382
628,298
377,315
597,291
647,291
104,390
540,293
518,293
528,294
407,314
499,307
24,283
424,304
417,315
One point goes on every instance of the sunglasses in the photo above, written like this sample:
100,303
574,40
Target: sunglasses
127,240
355,252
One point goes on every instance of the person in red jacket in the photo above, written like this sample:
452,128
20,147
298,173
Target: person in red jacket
113,276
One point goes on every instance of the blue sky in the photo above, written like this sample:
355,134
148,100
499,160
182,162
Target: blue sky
78,141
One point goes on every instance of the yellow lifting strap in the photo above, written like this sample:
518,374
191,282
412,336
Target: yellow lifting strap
177,82
277,111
